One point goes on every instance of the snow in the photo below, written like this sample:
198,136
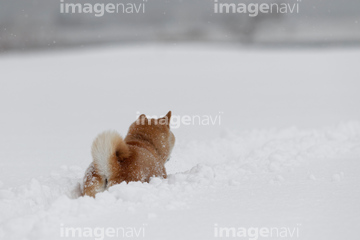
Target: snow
285,156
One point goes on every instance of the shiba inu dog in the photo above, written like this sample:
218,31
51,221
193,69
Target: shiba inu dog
141,155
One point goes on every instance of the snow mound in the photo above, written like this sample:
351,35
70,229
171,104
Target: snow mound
231,161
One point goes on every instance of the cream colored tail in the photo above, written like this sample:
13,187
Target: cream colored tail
107,149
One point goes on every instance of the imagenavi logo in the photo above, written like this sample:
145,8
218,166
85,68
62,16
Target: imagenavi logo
101,233
256,233
253,9
100,9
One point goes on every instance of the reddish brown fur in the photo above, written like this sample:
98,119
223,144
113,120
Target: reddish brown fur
141,155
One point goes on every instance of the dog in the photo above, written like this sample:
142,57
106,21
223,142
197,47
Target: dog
140,156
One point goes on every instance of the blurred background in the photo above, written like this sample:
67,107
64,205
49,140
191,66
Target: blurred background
66,77
38,24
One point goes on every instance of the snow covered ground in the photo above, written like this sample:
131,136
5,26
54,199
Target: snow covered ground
285,157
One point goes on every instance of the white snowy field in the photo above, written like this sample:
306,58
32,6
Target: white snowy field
285,158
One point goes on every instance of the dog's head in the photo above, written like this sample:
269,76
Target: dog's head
155,131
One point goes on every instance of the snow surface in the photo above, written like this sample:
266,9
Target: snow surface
287,153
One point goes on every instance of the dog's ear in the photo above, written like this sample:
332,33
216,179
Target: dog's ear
165,120
141,120
168,115
142,116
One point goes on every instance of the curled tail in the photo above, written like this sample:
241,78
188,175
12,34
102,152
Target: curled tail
107,150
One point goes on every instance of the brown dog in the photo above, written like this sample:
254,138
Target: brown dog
141,155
